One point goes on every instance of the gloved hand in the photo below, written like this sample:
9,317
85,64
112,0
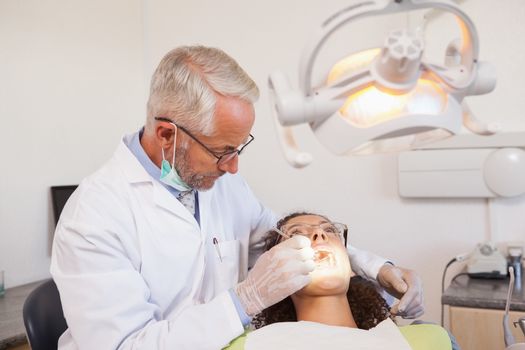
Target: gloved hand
278,273
405,285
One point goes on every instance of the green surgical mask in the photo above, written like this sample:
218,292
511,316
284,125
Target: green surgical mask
168,173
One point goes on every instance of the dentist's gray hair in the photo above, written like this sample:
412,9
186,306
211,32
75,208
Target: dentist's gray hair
184,87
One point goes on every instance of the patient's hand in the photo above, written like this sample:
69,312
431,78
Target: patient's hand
405,285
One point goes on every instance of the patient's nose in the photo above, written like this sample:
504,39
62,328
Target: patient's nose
319,236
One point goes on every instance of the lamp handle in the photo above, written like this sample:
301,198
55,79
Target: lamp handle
291,151
477,126
287,110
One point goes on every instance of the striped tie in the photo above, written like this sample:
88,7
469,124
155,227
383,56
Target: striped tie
187,198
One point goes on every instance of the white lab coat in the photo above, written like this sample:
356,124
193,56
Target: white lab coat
135,270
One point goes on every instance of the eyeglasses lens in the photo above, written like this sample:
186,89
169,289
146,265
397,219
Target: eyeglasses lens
333,230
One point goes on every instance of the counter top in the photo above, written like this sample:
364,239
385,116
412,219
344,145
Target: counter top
12,330
483,293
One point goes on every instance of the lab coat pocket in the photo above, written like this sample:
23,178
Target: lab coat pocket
227,264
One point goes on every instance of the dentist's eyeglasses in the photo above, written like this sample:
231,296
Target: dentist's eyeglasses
222,158
330,229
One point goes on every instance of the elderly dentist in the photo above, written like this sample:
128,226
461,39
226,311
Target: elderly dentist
152,250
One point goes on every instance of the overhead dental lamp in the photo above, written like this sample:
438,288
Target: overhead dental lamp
386,98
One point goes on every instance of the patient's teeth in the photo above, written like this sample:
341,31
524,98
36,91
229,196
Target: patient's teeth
324,259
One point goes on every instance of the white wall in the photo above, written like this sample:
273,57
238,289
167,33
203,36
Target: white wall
72,81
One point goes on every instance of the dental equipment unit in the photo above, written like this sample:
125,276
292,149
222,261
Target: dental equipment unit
385,98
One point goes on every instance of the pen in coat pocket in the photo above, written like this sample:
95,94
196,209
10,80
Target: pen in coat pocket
216,244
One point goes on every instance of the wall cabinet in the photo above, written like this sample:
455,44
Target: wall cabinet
482,329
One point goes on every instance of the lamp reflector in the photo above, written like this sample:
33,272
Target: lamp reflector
371,106
352,63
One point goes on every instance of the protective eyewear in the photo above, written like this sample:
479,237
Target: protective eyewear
330,229
222,158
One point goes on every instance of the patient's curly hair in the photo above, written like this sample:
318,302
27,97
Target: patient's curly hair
367,305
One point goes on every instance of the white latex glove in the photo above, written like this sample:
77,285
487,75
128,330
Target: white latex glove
405,285
278,273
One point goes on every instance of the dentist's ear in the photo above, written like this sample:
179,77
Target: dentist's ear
165,133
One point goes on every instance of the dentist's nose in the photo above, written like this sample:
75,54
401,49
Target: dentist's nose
231,166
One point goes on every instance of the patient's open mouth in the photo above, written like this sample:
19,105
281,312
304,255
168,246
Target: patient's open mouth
324,258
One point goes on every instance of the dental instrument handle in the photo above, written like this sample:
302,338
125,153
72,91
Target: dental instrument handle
507,334
521,323
281,233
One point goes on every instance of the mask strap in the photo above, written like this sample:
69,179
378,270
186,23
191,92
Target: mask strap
174,143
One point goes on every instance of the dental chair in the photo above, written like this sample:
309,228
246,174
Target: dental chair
43,317
418,336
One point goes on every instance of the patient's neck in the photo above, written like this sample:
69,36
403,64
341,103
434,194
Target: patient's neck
332,310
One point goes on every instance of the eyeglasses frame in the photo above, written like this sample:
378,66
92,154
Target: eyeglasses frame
279,237
222,158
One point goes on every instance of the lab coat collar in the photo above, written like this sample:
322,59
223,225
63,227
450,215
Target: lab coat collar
134,172
164,199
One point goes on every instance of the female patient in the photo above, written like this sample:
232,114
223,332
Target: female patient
334,297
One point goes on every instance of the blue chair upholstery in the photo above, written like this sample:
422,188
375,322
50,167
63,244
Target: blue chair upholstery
43,317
